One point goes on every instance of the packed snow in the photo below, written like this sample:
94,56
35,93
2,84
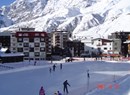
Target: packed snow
26,79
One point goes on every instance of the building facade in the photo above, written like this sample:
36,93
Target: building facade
119,45
59,38
5,39
30,42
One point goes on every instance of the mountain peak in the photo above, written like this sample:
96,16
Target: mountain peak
82,17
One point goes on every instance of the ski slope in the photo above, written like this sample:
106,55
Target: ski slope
26,79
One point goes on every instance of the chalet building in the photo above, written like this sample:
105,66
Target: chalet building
30,42
5,39
103,45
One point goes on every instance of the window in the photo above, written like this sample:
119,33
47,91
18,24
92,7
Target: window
13,44
26,49
20,44
25,40
37,39
20,40
36,34
42,39
42,49
42,44
31,50
105,48
115,43
26,45
42,34
26,54
36,44
25,34
115,48
31,40
14,48
20,49
13,39
13,35
20,34
37,54
37,49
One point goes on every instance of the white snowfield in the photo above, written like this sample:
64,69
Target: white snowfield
81,17
26,79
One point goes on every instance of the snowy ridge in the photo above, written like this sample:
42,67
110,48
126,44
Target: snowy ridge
81,17
4,21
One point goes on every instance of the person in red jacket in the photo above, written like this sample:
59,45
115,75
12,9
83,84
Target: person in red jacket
41,92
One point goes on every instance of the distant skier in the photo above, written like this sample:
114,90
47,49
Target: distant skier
54,67
59,93
61,66
50,69
41,92
88,75
66,84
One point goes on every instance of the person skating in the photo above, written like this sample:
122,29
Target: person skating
66,84
54,67
61,66
42,91
50,69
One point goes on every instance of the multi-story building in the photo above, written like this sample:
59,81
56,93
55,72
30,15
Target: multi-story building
59,38
119,39
30,42
5,39
74,48
48,46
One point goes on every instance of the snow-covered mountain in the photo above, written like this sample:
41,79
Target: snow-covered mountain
82,17
4,21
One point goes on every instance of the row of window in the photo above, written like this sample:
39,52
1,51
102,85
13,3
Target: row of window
30,49
36,54
30,39
27,34
29,45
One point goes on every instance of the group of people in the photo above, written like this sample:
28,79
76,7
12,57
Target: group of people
54,67
65,89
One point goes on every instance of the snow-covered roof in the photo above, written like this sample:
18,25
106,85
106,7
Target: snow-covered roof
11,54
127,42
2,50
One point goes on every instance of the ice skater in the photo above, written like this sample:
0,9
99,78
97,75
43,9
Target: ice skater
54,67
66,84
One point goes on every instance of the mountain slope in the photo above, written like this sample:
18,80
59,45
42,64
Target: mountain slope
96,18
4,21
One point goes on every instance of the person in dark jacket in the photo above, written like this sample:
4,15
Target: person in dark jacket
42,91
61,66
66,84
54,67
